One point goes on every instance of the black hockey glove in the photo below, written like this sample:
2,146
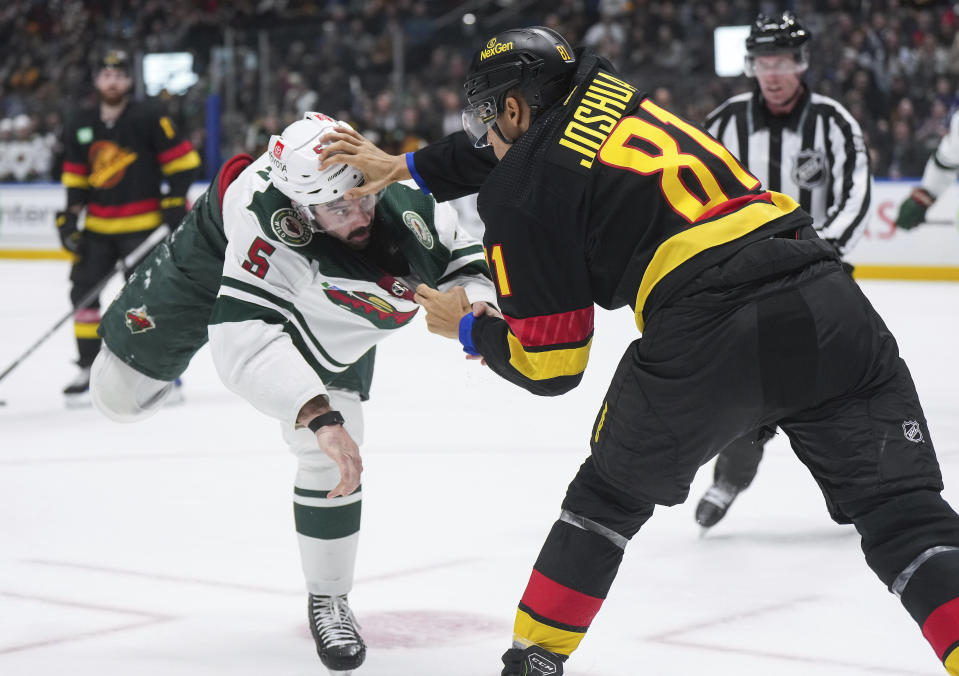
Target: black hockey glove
912,212
70,234
534,661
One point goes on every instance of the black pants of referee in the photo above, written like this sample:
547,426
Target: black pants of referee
807,352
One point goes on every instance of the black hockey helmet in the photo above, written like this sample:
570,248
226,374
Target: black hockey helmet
536,61
115,58
777,35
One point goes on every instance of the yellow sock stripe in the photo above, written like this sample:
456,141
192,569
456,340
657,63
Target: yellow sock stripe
85,330
562,642
952,662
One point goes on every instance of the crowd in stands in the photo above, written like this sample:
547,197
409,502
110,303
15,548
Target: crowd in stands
893,63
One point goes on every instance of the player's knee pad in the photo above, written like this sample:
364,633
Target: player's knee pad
122,393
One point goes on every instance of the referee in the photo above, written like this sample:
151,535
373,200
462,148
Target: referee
802,144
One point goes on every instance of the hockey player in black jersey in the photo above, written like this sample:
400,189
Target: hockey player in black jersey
595,195
116,156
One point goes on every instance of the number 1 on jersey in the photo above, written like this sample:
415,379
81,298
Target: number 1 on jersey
494,259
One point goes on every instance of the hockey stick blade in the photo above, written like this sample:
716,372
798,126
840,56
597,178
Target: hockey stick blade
145,247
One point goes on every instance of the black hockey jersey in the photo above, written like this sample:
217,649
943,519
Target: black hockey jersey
116,171
607,199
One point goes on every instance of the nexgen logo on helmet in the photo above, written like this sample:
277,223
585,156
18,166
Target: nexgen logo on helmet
493,47
537,62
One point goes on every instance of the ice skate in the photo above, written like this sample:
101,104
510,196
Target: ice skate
715,503
77,392
334,628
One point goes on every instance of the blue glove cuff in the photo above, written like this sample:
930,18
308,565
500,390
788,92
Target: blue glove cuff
466,334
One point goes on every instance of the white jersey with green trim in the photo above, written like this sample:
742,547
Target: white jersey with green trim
942,167
296,306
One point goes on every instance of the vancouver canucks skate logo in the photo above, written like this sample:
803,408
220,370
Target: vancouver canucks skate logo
811,169
138,321
371,307
289,228
912,431
416,223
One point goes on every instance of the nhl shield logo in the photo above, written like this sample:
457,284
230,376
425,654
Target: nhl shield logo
416,223
289,228
138,321
811,169
912,431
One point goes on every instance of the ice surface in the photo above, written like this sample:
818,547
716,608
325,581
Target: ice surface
167,547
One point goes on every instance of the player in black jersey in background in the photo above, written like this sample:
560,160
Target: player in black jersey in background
116,157
593,194
805,145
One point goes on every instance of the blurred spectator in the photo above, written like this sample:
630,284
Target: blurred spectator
289,56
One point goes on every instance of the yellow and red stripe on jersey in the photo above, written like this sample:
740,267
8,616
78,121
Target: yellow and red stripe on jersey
180,157
85,322
742,216
553,615
532,343
941,629
120,218
75,175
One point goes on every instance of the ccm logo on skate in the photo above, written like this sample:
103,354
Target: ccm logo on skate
912,431
541,663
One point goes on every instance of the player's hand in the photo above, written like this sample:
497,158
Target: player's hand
350,147
337,443
67,229
481,308
912,212
444,309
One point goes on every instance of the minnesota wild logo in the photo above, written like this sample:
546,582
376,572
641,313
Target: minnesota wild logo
289,228
416,223
138,321
379,312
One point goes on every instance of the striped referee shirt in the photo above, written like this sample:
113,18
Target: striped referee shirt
815,154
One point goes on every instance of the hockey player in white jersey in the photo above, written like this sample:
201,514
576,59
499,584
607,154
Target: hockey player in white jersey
294,287
941,170
807,146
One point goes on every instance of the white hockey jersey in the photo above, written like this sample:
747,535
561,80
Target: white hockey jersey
943,165
296,306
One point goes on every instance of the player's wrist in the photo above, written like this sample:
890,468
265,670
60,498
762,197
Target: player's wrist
330,418
923,196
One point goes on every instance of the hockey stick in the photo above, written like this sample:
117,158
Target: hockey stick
146,246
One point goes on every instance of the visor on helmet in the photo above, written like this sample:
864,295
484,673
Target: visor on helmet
340,213
781,62
478,119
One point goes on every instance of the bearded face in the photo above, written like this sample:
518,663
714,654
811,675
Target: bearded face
113,85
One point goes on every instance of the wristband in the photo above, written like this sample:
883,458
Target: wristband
466,334
324,419
415,175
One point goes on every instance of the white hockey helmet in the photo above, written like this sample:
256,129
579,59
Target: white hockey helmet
296,167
